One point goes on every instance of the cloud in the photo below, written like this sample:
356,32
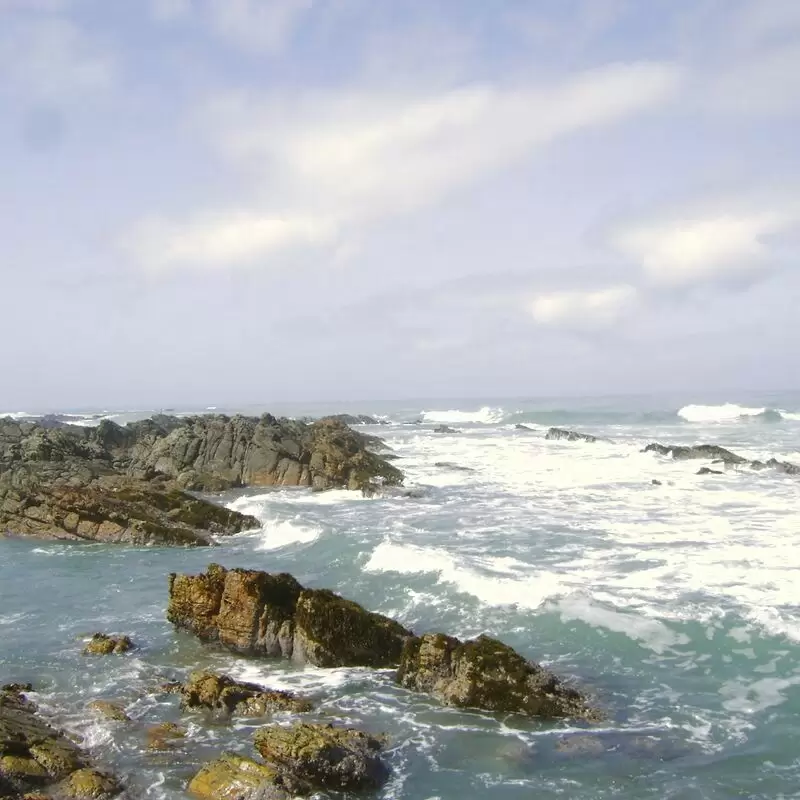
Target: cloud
170,10
582,309
346,159
707,242
50,59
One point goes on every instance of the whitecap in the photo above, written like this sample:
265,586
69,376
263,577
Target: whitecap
281,533
727,412
485,415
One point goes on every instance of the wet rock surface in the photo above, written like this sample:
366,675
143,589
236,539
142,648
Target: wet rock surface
258,613
223,695
37,759
102,644
569,436
719,455
486,674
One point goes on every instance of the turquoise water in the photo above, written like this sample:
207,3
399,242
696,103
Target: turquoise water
675,605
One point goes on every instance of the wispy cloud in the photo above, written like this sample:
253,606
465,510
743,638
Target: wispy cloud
344,159
582,309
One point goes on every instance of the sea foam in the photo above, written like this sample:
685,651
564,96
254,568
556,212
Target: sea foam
485,416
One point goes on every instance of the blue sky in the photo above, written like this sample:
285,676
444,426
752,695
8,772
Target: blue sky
231,201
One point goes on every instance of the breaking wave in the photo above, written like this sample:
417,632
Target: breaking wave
731,412
485,416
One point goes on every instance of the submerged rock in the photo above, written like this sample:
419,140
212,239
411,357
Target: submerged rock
223,695
34,757
164,736
570,436
258,613
486,674
709,471
109,710
520,427
324,756
101,644
444,429
454,467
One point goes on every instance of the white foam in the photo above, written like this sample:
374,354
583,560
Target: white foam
16,414
728,412
485,415
494,581
281,533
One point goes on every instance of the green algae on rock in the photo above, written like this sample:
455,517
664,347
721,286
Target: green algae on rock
34,757
235,777
101,644
258,613
223,695
486,674
109,710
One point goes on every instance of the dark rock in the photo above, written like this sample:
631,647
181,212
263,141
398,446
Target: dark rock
655,482
324,756
709,471
102,644
570,436
258,613
709,451
520,427
783,466
223,695
356,419
444,429
374,490
164,736
454,467
486,674
115,484
35,757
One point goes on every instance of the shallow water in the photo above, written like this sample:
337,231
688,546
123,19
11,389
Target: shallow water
674,604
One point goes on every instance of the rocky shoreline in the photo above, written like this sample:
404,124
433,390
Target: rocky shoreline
132,484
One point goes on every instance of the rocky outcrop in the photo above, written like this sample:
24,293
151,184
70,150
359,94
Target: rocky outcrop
709,471
222,695
36,758
444,429
101,644
324,756
486,674
236,777
569,436
357,419
719,455
258,613
129,484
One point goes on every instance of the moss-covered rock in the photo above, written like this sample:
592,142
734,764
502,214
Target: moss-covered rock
101,644
332,632
164,736
36,758
234,777
258,613
325,756
109,710
223,695
486,674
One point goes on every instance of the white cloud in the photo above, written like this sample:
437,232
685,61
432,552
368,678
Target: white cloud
260,25
350,158
707,242
213,240
582,309
50,59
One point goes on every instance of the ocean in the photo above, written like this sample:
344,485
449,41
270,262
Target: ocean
674,604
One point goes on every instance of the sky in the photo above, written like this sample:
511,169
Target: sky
213,202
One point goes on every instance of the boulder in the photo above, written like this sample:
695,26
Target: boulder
324,756
164,736
34,757
235,777
444,429
709,471
101,644
258,613
709,451
569,436
486,674
223,695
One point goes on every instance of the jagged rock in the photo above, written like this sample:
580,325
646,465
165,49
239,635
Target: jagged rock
570,436
222,694
781,466
35,757
357,419
324,756
486,674
258,613
102,644
655,482
127,484
235,777
444,429
681,453
709,471
164,736
520,427
109,710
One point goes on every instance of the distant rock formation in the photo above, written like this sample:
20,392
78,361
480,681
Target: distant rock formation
444,429
719,455
128,484
569,436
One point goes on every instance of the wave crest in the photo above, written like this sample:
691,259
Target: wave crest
732,412
485,416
